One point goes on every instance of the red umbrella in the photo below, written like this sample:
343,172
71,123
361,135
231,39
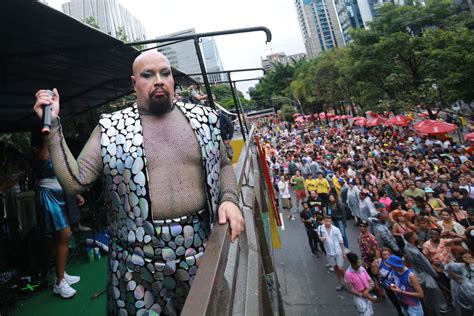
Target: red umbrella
433,127
337,117
376,121
398,120
361,121
469,137
424,114
300,119
420,124
345,117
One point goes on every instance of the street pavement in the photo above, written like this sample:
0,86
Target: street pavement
306,286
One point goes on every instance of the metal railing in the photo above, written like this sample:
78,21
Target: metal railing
239,278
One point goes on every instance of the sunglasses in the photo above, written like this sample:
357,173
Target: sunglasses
363,226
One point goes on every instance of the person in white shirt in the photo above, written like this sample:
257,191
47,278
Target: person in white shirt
464,184
284,189
331,236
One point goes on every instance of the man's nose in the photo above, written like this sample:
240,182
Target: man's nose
158,80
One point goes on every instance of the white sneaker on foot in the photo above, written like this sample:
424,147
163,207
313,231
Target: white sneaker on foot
83,228
331,269
64,289
71,279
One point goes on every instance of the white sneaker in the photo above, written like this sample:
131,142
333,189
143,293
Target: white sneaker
84,228
71,279
331,269
64,289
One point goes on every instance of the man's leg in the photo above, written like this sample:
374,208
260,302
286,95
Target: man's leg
339,272
342,227
312,245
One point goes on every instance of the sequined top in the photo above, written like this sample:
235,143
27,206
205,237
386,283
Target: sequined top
173,159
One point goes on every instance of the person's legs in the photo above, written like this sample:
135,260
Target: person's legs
339,271
415,310
300,195
313,240
394,299
62,250
320,243
342,227
286,206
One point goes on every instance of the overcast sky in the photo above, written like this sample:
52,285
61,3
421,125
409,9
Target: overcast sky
237,51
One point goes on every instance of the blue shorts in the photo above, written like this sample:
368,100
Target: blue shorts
53,206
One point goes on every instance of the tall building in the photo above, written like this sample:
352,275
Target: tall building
324,24
183,56
212,59
269,62
109,16
369,8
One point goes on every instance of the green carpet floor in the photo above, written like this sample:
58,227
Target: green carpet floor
93,279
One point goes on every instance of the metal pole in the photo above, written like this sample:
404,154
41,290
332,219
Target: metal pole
237,109
230,70
241,108
208,34
204,74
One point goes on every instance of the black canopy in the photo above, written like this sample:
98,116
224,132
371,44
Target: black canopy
44,48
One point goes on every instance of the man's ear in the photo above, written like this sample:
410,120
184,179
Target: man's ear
133,81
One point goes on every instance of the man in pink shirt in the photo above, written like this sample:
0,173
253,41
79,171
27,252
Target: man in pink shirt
359,285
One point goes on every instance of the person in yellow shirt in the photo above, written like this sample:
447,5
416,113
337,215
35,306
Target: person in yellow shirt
322,188
310,184
338,183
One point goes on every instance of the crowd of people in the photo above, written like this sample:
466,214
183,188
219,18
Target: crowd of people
411,195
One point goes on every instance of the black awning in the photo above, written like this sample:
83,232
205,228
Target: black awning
43,48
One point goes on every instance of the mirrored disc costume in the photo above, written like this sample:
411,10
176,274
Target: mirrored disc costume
152,263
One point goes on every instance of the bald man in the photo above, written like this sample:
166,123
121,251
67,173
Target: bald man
167,179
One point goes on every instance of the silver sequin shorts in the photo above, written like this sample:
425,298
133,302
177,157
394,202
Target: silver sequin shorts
155,275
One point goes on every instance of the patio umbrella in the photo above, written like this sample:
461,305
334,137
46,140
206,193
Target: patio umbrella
399,120
469,137
300,119
323,115
345,117
424,114
436,127
361,121
420,124
376,121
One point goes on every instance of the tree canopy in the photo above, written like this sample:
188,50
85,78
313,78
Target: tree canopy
412,57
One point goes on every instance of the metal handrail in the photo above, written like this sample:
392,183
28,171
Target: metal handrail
208,283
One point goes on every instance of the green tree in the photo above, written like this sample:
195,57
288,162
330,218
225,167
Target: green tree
92,22
275,83
121,35
286,112
397,62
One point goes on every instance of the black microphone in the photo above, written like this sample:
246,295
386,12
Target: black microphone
47,113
